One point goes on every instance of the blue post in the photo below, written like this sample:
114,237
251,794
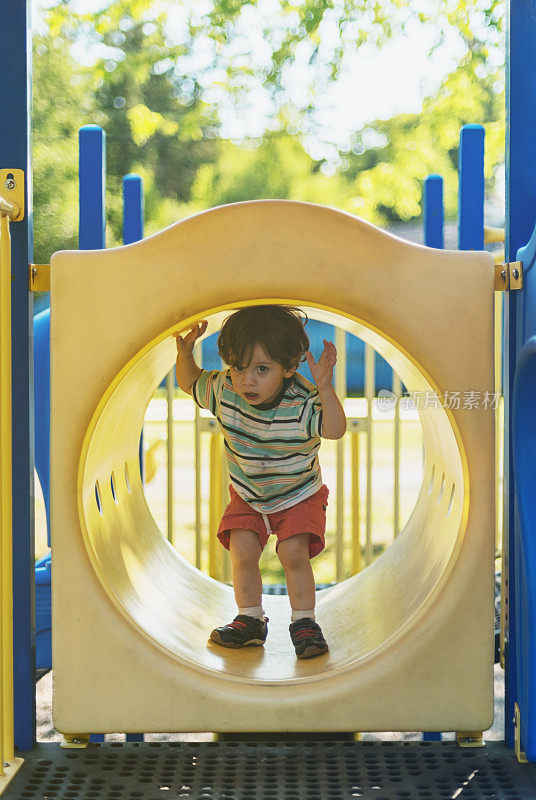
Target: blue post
42,406
15,151
471,188
92,188
133,232
433,237
132,209
92,194
433,212
520,219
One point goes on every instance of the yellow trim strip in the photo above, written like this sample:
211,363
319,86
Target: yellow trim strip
7,749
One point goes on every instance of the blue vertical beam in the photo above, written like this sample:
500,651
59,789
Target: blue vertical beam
520,219
433,237
92,196
15,151
471,188
133,219
132,208
133,232
42,406
92,188
433,212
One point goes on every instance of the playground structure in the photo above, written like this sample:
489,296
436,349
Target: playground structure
92,159
122,577
167,601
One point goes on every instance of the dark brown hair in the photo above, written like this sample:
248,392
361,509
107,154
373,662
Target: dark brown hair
278,329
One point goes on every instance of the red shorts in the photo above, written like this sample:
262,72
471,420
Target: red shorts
307,516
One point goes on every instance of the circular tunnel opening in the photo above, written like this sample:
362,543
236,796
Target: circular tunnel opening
175,605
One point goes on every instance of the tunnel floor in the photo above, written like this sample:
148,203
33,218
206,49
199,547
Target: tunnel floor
282,769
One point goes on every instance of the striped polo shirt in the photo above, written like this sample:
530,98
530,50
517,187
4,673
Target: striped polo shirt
272,454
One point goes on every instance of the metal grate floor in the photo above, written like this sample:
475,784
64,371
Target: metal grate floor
273,770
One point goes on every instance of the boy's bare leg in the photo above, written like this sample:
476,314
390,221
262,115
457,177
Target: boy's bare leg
305,633
294,556
245,550
249,628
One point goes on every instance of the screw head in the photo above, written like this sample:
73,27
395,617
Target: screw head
10,184
515,273
503,275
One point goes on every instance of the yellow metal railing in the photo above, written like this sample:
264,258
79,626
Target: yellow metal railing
8,763
497,235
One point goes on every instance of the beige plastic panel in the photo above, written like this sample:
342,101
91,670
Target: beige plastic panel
411,638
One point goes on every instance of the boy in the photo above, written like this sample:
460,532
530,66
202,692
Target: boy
272,419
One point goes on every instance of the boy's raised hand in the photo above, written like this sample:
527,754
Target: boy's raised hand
185,344
322,370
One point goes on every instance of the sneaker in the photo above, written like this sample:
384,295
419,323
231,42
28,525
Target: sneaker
243,631
307,638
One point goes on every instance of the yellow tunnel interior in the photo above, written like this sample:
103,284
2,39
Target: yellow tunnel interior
175,606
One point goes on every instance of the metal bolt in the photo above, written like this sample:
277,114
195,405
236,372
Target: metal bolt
503,275
10,184
515,273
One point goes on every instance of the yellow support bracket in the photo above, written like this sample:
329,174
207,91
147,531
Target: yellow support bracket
520,754
10,770
509,276
39,277
12,194
74,741
470,739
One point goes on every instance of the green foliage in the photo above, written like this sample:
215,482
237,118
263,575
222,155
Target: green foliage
277,167
390,159
154,117
381,178
59,108
322,33
155,120
144,89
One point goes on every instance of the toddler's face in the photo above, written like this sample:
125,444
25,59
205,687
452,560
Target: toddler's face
261,380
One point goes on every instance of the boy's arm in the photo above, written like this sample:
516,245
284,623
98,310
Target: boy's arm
333,416
187,372
186,368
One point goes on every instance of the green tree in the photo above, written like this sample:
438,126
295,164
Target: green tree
155,120
277,167
152,97
60,106
389,160
321,34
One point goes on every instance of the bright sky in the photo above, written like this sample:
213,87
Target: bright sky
374,84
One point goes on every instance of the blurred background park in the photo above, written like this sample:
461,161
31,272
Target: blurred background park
349,103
